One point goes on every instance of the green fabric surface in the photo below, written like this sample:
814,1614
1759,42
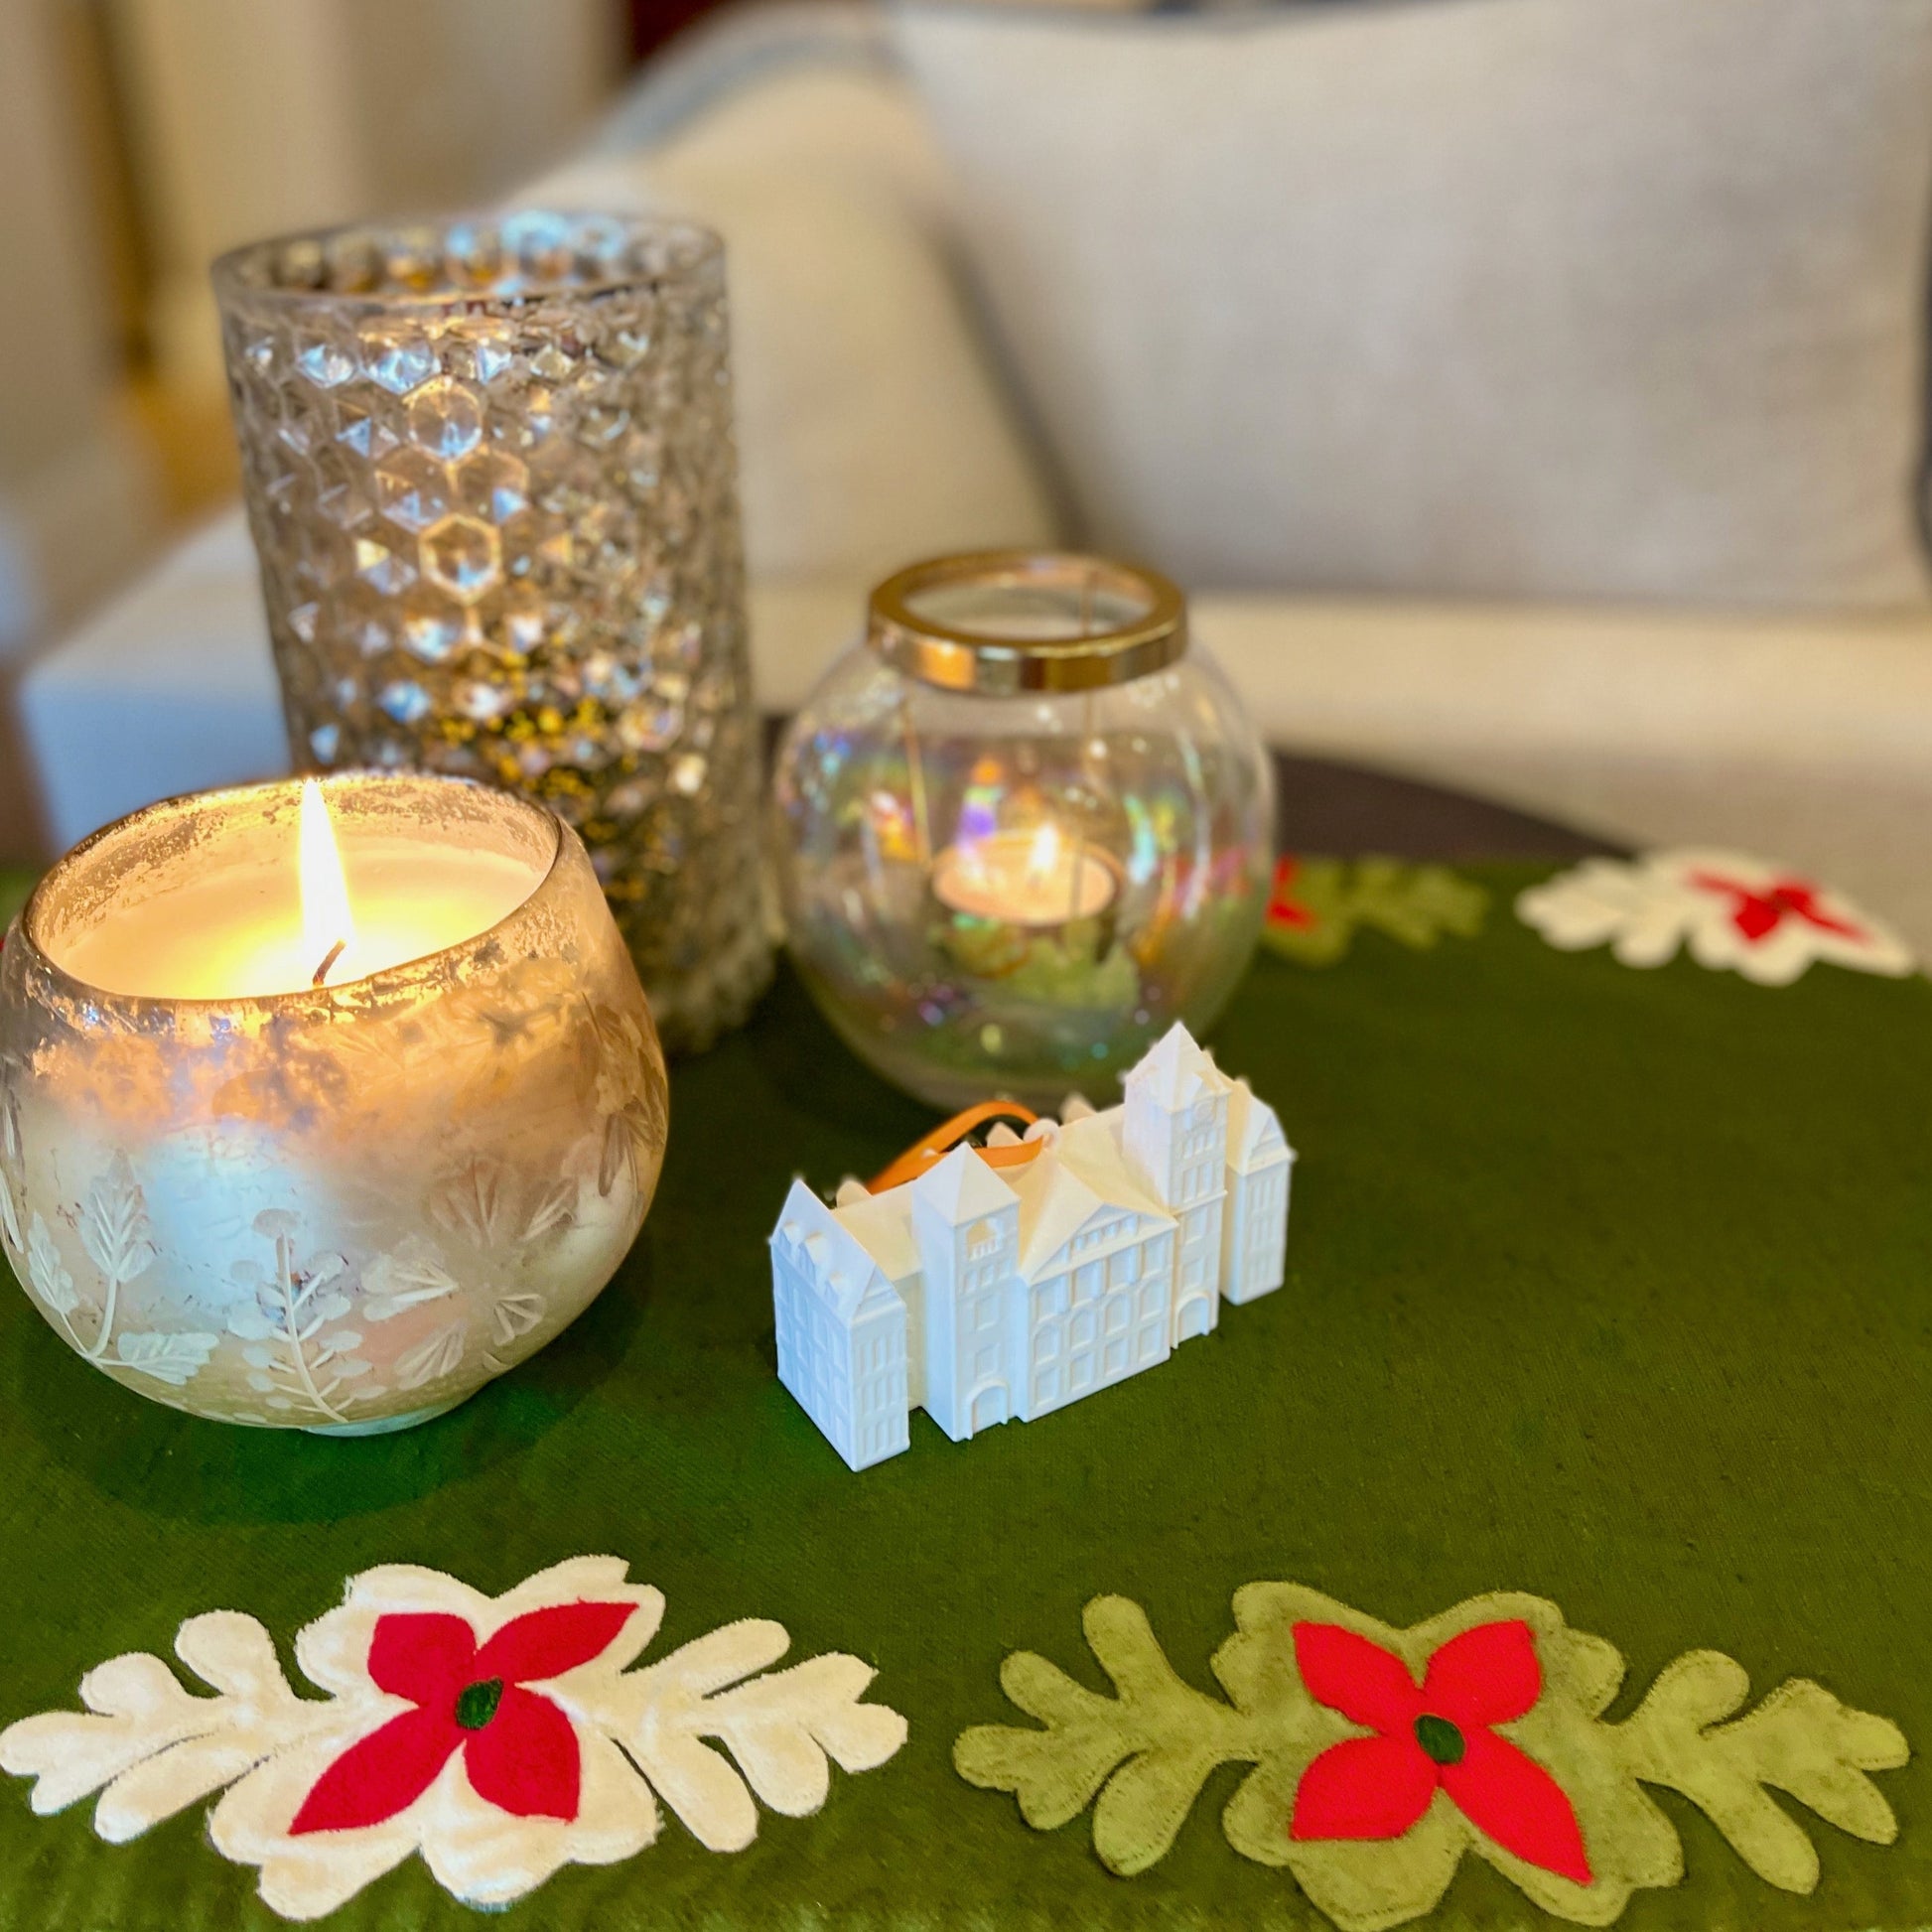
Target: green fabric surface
1610,1286
14,887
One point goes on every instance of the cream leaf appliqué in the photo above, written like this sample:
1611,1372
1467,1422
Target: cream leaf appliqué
1730,912
499,1738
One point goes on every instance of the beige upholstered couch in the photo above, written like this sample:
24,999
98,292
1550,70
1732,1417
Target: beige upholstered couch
878,421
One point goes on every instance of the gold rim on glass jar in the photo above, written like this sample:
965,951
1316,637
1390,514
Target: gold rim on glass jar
322,1104
999,621
1022,830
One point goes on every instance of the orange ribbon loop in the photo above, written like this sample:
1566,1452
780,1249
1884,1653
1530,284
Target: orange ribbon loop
934,1147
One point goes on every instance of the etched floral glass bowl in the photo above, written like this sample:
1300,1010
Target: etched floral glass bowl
1022,829
492,481
345,1208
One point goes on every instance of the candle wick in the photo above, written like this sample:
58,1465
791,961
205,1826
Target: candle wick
334,953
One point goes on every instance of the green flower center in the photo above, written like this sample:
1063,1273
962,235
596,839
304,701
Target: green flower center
479,1701
1439,1739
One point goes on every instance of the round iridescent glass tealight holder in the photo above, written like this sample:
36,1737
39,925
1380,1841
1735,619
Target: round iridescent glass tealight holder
1022,829
338,1199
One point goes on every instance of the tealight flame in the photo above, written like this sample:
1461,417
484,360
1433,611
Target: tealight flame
1042,860
327,929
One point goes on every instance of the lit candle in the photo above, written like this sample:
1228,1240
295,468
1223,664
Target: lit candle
1038,878
321,1105
273,909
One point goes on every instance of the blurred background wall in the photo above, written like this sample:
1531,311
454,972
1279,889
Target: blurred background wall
138,139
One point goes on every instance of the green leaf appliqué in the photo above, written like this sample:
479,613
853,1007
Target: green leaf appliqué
1318,905
1141,1757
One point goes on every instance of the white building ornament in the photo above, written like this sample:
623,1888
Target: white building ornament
986,1294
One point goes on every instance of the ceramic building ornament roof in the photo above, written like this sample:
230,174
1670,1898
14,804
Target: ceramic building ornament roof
882,1227
989,1296
1253,1134
962,1184
1060,1198
842,1269
1177,1071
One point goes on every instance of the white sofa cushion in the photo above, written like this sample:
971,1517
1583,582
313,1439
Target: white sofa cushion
1800,737
1516,298
871,428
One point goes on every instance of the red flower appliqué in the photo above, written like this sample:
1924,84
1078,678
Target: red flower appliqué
1435,1737
1758,911
518,1747
1284,908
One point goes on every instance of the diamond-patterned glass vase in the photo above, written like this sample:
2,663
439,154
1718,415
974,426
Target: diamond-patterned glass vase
493,486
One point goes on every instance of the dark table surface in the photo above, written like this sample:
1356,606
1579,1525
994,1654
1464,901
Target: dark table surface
1323,805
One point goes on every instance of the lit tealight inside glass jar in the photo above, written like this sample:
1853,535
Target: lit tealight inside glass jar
322,1104
1022,829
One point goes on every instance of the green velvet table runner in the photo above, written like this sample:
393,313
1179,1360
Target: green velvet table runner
1609,1286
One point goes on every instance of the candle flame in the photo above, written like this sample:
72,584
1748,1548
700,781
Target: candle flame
1045,857
327,929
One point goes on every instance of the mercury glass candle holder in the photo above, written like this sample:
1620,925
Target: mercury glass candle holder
1022,829
340,1207
492,481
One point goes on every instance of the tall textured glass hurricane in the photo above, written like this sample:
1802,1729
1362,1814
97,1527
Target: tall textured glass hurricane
493,486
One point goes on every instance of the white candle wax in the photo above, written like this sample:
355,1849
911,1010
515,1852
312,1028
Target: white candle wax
239,931
1034,878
